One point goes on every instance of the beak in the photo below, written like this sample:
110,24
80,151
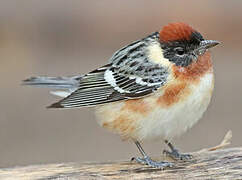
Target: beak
206,44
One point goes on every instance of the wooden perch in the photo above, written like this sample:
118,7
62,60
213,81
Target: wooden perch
211,163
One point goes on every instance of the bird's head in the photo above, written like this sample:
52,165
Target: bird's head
182,45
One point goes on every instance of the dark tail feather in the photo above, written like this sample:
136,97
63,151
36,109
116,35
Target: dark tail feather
55,105
54,82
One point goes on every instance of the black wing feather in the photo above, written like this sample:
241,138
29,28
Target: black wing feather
129,75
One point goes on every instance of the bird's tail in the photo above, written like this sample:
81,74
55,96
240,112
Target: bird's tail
65,85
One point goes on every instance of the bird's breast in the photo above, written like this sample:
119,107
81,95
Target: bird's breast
195,70
176,108
167,113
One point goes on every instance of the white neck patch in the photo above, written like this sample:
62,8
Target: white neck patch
155,54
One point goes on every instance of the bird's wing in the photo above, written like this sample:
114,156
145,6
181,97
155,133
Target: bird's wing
130,78
109,84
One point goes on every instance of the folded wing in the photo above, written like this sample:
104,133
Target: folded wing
129,75
109,84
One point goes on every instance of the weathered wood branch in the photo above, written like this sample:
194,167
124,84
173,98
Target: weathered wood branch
211,163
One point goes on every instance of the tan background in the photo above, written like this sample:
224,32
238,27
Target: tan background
62,37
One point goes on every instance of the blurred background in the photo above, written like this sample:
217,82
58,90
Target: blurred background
62,37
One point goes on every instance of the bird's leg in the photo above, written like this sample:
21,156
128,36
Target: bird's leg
174,154
148,161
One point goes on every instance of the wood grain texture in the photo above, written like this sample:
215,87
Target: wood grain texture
209,164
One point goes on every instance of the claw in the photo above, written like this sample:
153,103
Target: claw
148,161
174,154
178,156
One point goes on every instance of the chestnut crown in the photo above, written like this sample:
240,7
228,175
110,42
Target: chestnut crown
182,44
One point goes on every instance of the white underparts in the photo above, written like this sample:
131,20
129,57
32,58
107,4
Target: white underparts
167,123
163,122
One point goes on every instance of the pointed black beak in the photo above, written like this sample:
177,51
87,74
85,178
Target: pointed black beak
206,44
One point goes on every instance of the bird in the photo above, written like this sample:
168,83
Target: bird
155,88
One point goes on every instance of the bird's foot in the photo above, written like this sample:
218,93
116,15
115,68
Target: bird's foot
148,161
174,154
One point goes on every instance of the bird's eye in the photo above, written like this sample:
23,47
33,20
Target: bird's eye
180,51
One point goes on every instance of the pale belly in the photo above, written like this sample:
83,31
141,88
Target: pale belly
146,119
